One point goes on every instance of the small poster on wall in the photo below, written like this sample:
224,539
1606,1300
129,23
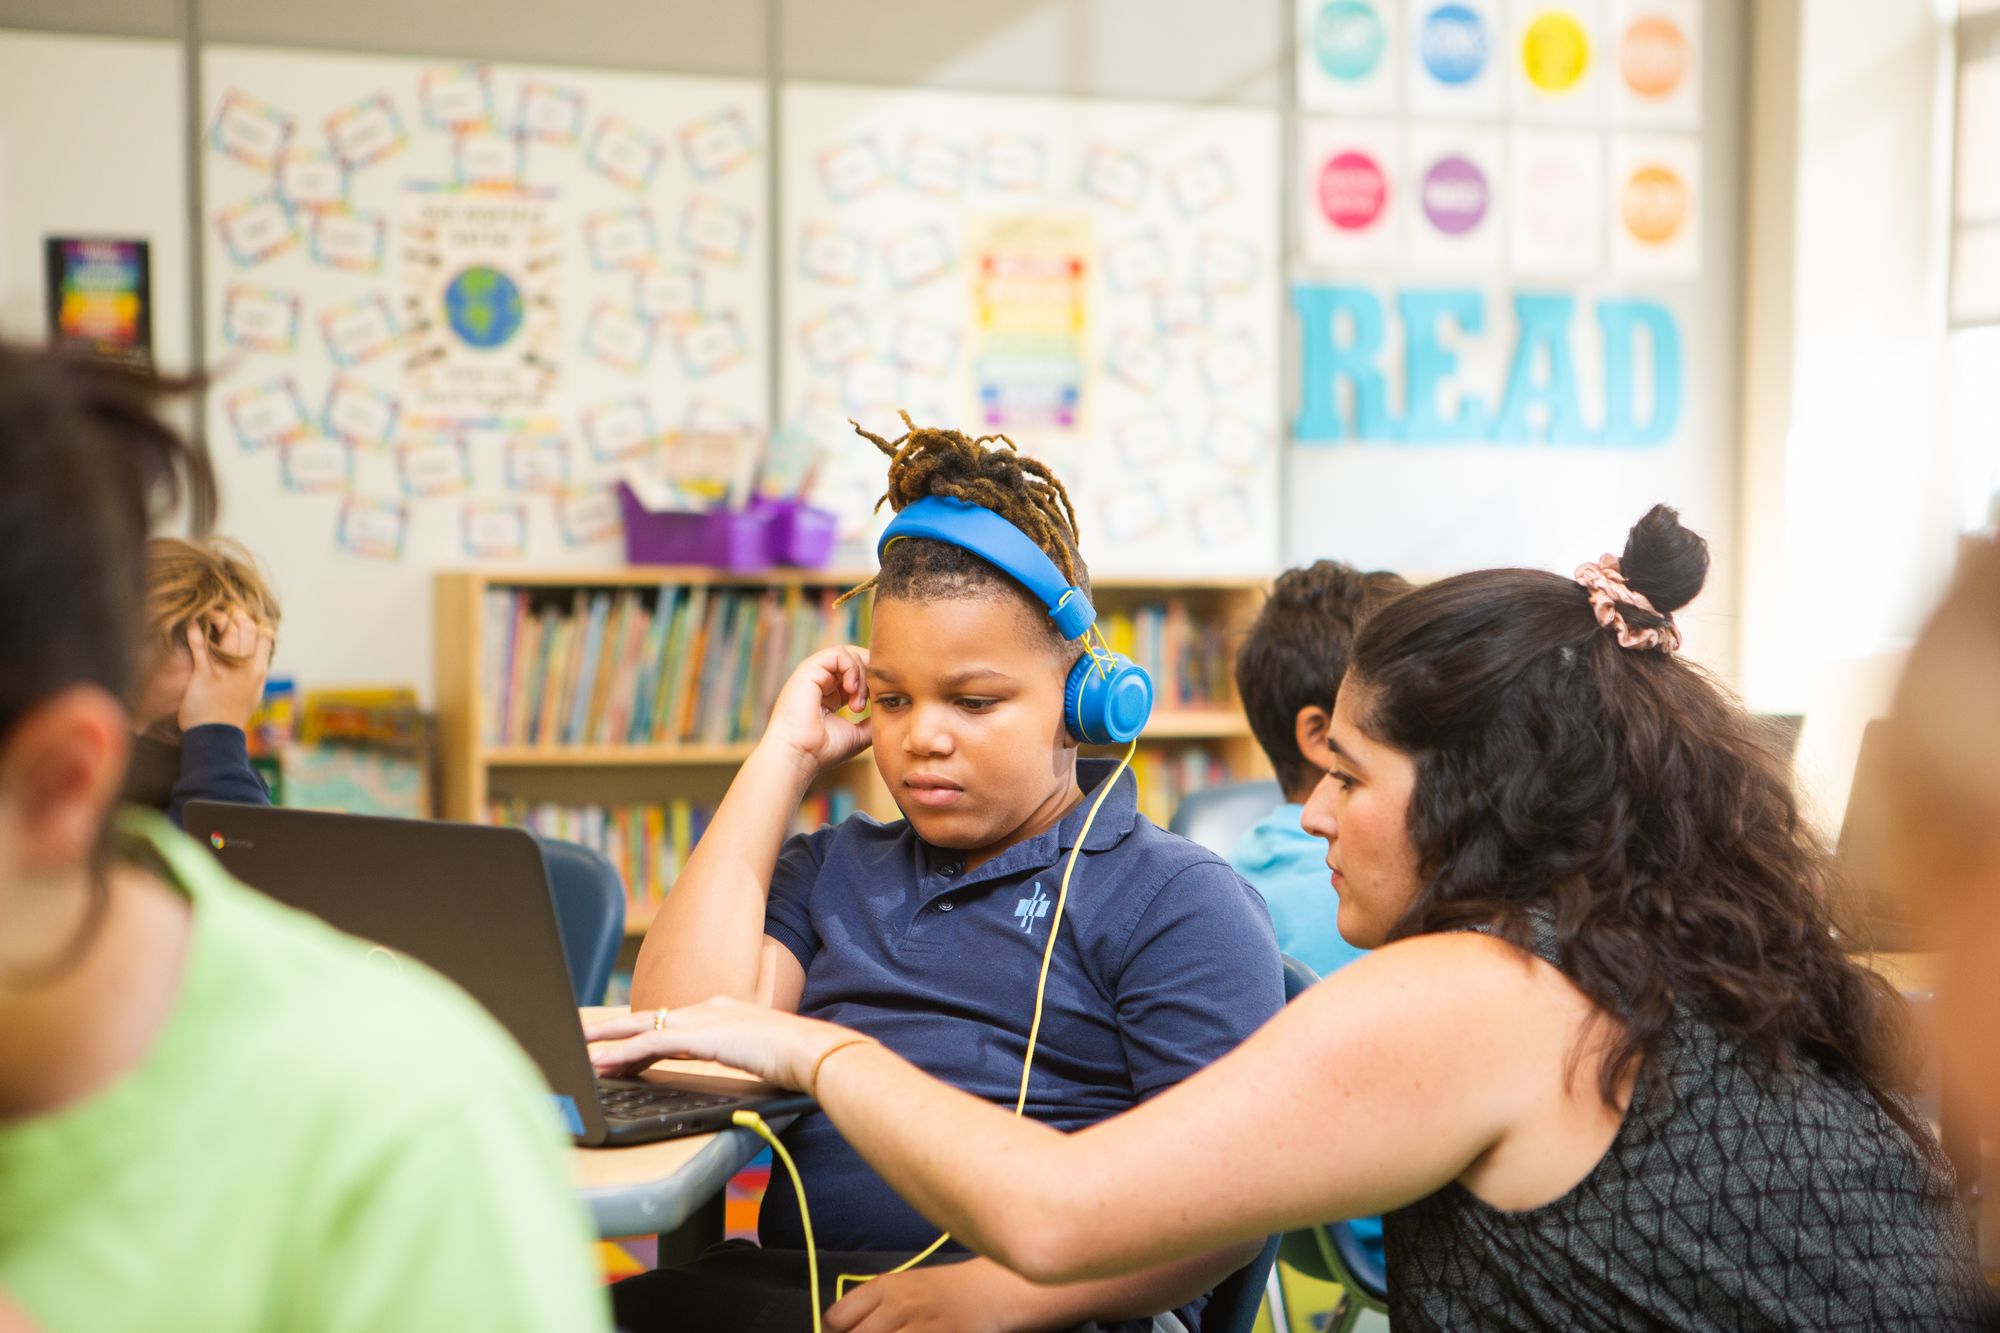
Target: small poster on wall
100,297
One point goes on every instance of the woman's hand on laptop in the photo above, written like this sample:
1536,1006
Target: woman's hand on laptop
777,1047
806,718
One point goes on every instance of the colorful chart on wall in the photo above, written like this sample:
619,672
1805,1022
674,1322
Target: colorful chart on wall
1499,266
448,303
1096,280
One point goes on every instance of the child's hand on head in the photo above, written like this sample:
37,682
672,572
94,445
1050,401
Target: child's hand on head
218,691
806,718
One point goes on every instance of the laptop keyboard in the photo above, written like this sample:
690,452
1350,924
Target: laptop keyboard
625,1102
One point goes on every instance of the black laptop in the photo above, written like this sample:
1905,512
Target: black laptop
472,902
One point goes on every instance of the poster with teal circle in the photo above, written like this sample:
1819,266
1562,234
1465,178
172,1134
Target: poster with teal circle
1347,54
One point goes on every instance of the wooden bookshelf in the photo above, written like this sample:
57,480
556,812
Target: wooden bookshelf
474,772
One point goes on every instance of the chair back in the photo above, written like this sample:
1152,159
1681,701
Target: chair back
1232,1307
590,913
1217,816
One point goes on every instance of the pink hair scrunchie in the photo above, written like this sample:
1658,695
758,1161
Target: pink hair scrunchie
1609,594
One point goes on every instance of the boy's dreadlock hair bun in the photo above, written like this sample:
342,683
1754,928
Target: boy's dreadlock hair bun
924,462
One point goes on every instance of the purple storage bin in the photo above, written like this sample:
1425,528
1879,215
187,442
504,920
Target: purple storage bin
736,540
798,534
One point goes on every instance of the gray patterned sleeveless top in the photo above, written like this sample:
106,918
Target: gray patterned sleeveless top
1723,1203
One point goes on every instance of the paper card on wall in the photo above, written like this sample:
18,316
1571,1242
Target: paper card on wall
1225,264
376,529
872,391
456,98
249,131
718,144
256,229
833,255
1014,163
916,257
715,230
494,529
1221,518
1347,55
1556,214
537,464
1137,262
1147,441
624,238
548,113
366,132
1201,184
711,344
348,240
487,161
260,318
358,331
619,430
1454,58
1115,176
623,153
708,416
1351,193
1656,183
1133,514
934,166
1558,61
312,181
1138,359
1237,442
849,170
834,337
670,293
615,337
267,414
1181,312
360,414
1656,46
315,466
1456,224
433,468
587,517
923,348
1231,361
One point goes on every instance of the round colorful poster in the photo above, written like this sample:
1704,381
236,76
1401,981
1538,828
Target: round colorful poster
1655,205
1353,191
1453,44
1454,195
1555,52
1654,56
1349,38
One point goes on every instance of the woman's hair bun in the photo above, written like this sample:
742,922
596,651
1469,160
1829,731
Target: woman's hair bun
1663,560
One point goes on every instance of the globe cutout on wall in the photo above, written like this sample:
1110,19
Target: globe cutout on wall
483,306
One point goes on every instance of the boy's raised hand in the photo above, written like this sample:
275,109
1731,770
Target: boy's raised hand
220,693
806,718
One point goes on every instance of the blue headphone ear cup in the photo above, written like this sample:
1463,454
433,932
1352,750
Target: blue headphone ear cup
1107,704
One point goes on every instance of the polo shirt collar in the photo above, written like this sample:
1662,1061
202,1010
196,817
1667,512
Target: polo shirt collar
1116,819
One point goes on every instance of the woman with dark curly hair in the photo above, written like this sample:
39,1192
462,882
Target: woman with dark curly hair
1606,1069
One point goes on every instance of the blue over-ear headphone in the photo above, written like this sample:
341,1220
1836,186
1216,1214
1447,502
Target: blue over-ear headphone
1108,697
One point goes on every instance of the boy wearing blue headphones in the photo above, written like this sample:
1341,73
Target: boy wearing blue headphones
1021,893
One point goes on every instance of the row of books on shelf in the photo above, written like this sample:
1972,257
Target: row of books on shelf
1188,659
675,665
647,842
1167,775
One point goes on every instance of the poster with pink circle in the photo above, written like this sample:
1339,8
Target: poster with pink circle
1352,199
1456,184
1556,225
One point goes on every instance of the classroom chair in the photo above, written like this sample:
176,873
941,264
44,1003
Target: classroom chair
1232,1306
590,914
1330,1252
1217,816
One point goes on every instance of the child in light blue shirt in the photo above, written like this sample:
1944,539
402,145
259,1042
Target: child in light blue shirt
1287,674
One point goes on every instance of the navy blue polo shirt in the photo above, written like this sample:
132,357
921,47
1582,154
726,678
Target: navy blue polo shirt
1165,962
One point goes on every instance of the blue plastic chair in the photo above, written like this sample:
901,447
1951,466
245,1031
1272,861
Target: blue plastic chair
590,914
1217,816
1331,1252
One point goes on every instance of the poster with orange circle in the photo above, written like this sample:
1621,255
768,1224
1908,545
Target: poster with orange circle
1655,205
1653,50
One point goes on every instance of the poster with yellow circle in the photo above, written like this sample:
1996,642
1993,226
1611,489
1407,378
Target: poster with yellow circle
1556,58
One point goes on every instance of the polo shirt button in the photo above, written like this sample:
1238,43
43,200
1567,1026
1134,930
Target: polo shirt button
948,870
945,906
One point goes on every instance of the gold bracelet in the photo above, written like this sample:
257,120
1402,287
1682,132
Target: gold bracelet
812,1081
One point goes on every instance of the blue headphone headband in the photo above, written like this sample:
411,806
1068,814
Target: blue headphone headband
999,543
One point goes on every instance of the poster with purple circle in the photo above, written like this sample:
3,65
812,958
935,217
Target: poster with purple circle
1354,200
1454,57
1349,54
1457,183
